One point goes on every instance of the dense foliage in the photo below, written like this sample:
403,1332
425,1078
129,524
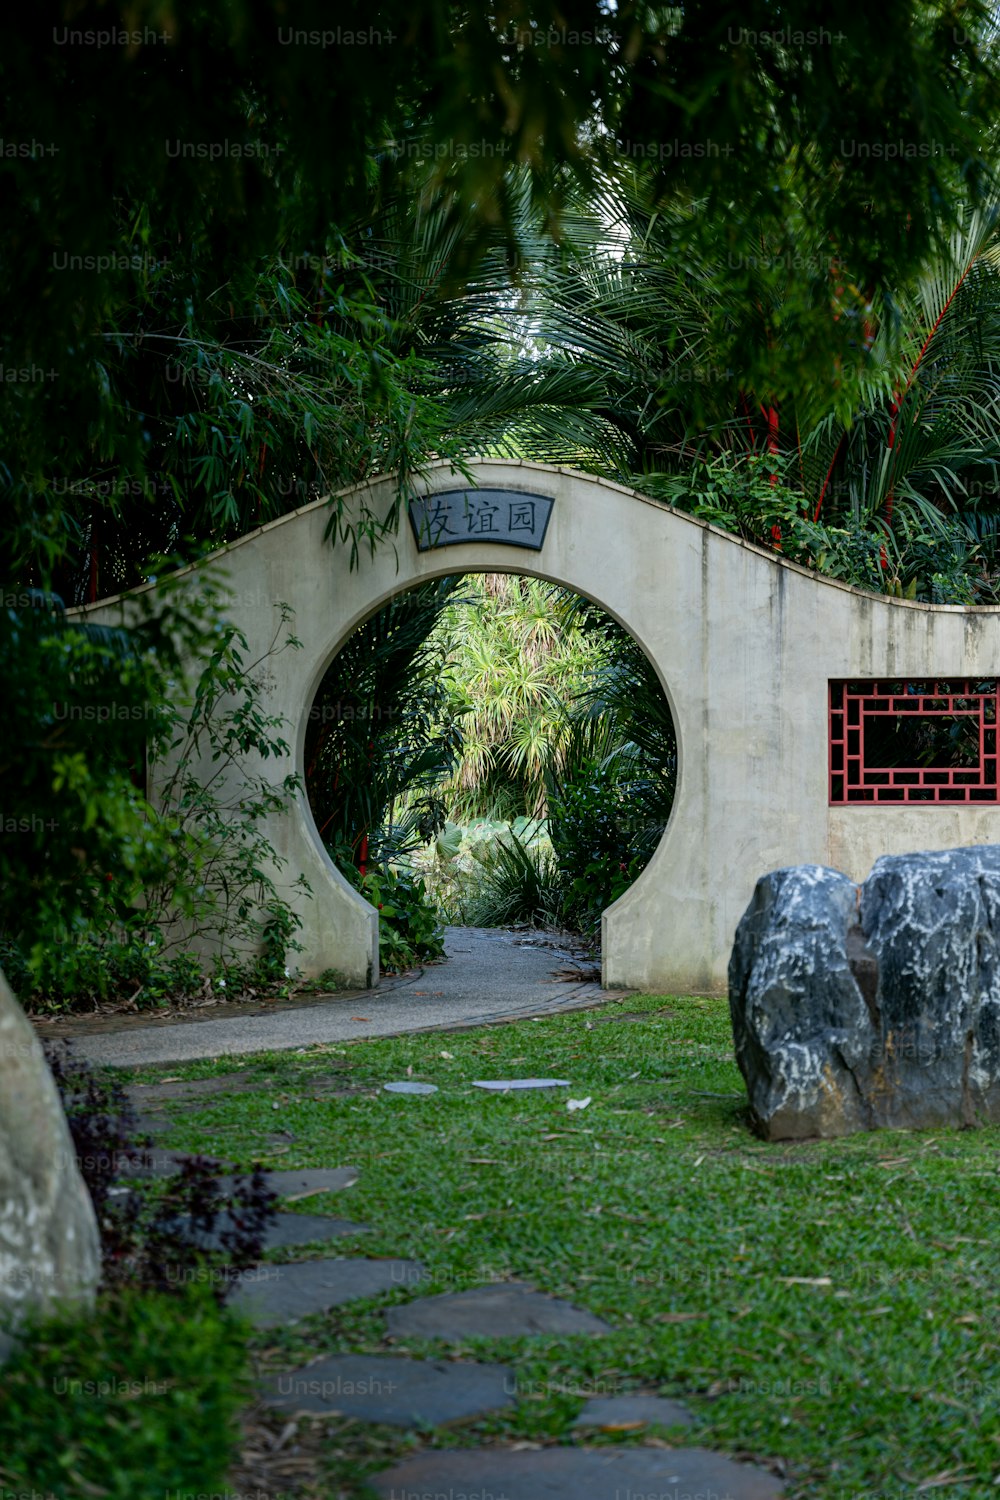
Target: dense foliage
135,1401
197,314
191,1231
885,475
482,698
742,258
139,1398
102,892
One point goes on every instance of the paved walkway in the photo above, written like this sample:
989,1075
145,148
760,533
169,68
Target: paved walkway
489,975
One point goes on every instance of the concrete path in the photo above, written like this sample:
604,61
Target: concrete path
489,975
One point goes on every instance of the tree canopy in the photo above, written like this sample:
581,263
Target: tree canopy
252,253
187,185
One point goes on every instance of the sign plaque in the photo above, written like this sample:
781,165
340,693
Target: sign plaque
452,517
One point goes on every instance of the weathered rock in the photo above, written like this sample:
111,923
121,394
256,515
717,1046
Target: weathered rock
860,1007
49,1244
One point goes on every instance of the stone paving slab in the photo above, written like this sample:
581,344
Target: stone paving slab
386,1388
508,1310
164,1163
306,1182
190,1088
152,1122
406,1086
634,1409
505,1085
578,1474
271,1295
284,1231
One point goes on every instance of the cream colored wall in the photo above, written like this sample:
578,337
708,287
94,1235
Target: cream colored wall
744,645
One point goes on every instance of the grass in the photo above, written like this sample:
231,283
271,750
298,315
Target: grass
135,1401
828,1306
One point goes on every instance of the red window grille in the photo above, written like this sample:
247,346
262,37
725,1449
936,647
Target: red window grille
928,742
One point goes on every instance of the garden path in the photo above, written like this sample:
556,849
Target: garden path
395,1389
488,975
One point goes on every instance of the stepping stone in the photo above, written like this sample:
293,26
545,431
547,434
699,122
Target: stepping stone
164,1163
502,1085
307,1181
505,1311
190,1088
284,1231
633,1410
567,1473
270,1295
390,1389
410,1088
150,1124
625,1016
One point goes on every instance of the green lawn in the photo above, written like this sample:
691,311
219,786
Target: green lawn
830,1305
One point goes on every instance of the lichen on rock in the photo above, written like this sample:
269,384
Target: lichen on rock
859,1007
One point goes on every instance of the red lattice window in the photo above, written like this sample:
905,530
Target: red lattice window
907,741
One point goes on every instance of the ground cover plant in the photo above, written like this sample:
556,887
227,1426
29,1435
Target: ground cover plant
827,1307
135,1402
138,1397
118,919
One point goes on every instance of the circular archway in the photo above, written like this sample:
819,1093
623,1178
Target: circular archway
494,749
746,646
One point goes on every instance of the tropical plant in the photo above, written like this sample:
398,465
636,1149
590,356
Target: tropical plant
519,882
409,924
115,906
294,147
901,444
515,655
612,774
384,734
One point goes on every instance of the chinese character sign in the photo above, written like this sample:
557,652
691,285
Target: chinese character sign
506,516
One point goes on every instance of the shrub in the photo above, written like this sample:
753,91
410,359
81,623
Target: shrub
131,1403
109,931
591,840
520,882
409,924
164,1243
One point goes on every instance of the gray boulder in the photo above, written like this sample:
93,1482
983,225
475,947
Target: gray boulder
860,1007
49,1242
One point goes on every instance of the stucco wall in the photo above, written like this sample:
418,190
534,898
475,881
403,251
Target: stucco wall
744,645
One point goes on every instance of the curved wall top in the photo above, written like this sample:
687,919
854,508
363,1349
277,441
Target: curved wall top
744,643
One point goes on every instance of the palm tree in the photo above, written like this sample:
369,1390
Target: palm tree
888,475
515,657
